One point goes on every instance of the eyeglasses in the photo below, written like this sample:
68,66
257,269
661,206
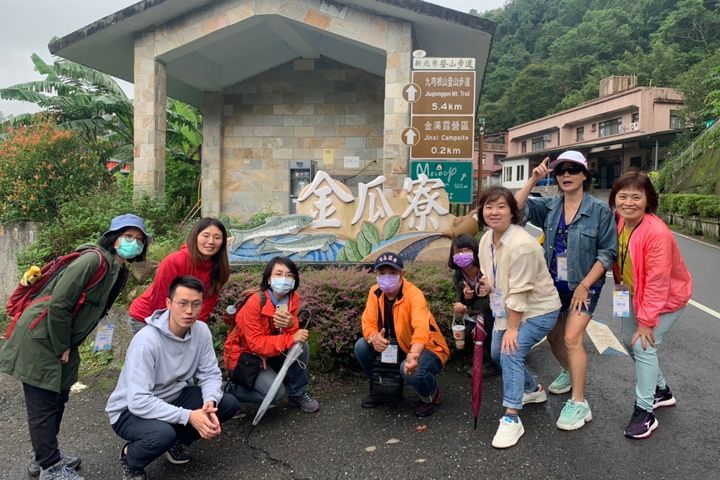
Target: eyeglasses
184,305
572,170
130,237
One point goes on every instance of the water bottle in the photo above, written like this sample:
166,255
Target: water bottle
230,312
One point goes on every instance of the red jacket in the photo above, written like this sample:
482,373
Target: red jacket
662,282
254,331
175,264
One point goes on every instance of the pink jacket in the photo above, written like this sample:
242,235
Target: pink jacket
662,281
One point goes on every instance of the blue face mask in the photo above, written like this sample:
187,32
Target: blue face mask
129,249
281,285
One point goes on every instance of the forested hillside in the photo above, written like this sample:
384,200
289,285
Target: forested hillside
549,55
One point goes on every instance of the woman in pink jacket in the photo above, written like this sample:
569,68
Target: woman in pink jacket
653,286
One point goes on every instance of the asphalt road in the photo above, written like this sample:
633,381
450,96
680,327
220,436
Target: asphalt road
344,441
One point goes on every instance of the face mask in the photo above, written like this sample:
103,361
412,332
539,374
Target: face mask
388,283
463,259
281,285
129,249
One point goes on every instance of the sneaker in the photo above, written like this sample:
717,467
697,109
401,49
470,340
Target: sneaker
561,384
129,473
306,403
178,454
574,415
538,396
642,424
663,398
425,409
34,469
60,471
370,402
508,433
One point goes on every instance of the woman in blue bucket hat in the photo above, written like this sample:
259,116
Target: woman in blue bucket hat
41,350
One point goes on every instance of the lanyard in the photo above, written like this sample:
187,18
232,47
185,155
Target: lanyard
624,253
562,219
494,265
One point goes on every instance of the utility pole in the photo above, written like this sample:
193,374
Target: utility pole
481,161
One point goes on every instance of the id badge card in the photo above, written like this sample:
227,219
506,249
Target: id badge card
497,304
621,302
562,269
390,354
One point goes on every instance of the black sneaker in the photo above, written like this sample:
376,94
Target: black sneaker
642,424
425,409
663,398
370,402
129,473
305,402
34,469
178,454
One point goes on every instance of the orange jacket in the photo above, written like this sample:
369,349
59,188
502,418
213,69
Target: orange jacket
412,319
254,331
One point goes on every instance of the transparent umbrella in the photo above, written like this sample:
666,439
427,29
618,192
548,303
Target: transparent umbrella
291,356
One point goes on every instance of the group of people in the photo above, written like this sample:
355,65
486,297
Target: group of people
170,391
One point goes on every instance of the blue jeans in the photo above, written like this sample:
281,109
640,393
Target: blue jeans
296,379
516,376
423,380
647,365
148,438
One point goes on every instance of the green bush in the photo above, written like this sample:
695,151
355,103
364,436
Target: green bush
42,166
690,204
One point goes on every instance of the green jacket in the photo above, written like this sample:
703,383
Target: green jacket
32,353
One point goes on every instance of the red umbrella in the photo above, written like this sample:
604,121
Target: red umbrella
478,335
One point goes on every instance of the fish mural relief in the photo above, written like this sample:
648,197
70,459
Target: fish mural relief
332,225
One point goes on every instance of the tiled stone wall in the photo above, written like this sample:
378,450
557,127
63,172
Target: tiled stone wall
294,112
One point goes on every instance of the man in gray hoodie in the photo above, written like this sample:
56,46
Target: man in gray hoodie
154,406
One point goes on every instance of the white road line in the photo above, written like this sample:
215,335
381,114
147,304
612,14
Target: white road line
705,309
696,240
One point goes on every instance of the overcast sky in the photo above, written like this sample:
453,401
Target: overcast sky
27,26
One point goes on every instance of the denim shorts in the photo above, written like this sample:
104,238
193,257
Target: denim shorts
593,296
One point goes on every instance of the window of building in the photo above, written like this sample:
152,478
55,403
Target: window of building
580,134
610,127
520,173
675,120
508,174
538,143
523,147
635,117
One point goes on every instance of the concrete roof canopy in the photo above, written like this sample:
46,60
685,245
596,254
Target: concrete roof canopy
257,44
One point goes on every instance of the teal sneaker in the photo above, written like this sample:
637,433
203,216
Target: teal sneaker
574,415
561,384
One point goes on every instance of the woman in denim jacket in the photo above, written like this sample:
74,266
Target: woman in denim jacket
580,245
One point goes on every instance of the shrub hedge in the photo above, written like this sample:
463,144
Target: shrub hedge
335,298
690,204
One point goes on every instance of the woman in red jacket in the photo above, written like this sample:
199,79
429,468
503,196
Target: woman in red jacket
265,328
653,286
204,256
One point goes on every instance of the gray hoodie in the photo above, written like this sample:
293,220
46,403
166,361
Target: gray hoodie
158,366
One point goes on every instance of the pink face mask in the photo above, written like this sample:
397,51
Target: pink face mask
388,283
463,259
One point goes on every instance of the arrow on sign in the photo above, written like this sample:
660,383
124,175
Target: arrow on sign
411,136
411,91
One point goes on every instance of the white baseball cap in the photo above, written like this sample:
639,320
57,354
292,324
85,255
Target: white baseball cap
570,156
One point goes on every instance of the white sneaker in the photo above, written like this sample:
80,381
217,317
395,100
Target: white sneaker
538,396
508,433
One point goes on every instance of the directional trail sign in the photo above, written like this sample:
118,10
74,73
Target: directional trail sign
456,175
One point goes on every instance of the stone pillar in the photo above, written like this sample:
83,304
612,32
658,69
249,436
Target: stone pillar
149,119
211,172
397,111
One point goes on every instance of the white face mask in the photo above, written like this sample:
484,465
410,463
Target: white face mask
281,285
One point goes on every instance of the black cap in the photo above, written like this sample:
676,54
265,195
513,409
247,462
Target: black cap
391,259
